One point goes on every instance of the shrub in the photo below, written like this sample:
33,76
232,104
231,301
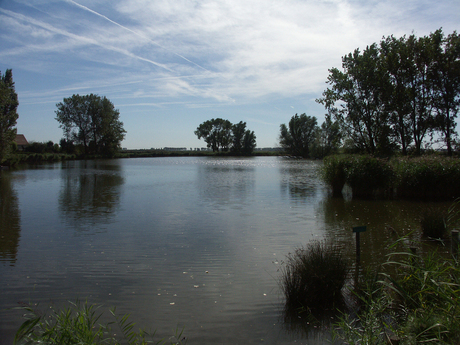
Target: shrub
313,277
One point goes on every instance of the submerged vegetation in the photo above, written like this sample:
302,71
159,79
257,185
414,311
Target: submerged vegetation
423,177
81,324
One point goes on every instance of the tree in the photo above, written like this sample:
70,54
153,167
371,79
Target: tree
91,121
298,137
356,98
244,141
8,113
445,77
329,137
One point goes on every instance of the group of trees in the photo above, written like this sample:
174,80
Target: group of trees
303,137
395,94
92,122
222,136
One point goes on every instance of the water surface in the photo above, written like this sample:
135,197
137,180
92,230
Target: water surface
189,243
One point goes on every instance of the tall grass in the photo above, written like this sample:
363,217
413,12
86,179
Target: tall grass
313,277
80,324
416,299
367,176
428,177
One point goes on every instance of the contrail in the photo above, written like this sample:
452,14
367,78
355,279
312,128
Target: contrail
134,32
80,38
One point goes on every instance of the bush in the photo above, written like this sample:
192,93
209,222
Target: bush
313,277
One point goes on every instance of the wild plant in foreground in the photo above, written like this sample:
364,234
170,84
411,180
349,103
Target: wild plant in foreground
417,299
79,324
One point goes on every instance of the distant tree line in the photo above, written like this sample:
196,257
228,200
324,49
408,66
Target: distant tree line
396,94
222,136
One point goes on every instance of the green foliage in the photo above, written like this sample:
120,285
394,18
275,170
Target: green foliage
8,113
415,299
222,136
80,324
425,177
298,137
394,94
91,121
367,176
313,278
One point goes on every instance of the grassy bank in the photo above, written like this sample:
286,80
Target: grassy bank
427,177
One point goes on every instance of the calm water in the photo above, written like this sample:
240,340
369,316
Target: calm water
188,243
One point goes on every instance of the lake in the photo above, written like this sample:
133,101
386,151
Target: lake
188,243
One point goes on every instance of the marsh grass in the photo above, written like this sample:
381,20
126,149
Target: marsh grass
416,299
367,176
426,177
80,324
312,279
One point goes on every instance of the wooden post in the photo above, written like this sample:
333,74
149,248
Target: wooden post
454,243
357,230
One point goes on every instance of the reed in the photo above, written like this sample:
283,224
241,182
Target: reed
426,177
313,277
416,301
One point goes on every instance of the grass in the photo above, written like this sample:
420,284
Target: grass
80,324
313,277
416,299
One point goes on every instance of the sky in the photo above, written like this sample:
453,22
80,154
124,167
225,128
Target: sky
169,65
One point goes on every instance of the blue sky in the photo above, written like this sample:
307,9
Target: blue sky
169,65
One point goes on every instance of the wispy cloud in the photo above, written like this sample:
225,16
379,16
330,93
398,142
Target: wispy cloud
199,53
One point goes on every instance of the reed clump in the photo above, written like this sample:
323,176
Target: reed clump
426,177
313,277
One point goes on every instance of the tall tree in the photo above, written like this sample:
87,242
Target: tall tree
356,100
298,136
244,140
91,121
329,137
217,133
397,61
445,77
8,113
